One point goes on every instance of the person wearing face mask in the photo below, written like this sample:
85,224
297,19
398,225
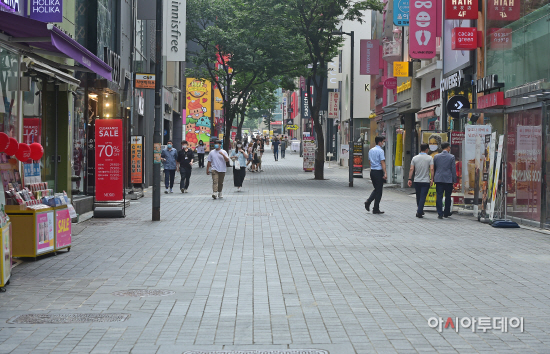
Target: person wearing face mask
169,157
434,144
200,153
377,174
239,169
185,164
217,160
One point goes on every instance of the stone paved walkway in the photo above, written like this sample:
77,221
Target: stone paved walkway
289,263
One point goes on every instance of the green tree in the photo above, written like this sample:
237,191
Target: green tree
242,44
314,22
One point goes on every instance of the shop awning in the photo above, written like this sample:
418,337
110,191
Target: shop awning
427,112
51,71
37,37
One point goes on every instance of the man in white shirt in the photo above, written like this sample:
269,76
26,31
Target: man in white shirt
422,165
217,160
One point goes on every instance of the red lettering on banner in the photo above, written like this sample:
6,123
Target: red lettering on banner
492,100
461,9
433,95
108,160
464,38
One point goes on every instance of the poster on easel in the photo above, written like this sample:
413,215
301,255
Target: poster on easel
494,189
469,163
136,159
309,153
358,160
488,170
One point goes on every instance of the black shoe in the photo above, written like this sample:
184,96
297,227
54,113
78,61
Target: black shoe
448,215
367,206
423,213
440,216
377,212
419,215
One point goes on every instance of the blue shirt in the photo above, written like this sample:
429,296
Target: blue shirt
240,156
376,156
171,156
276,145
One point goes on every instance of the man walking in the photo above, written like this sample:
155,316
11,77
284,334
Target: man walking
276,144
217,160
422,166
169,157
284,143
444,176
185,164
377,174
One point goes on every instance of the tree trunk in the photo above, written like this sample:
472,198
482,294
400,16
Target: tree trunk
240,126
319,153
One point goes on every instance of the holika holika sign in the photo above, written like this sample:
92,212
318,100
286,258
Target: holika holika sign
174,30
47,10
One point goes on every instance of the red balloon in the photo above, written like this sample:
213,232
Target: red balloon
24,152
13,147
36,151
4,141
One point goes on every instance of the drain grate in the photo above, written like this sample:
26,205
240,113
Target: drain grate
271,351
143,293
258,214
69,318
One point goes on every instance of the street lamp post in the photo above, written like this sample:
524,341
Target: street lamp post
350,160
157,133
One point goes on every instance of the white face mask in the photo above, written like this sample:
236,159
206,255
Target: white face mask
433,147
383,144
239,145
184,146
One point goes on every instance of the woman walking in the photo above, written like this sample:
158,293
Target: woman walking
239,156
200,152
249,152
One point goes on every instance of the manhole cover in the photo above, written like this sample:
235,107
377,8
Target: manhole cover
273,351
69,318
143,293
258,214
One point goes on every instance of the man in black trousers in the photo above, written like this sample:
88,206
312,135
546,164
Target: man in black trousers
444,176
377,174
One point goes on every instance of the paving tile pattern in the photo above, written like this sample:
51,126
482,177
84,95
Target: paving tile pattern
288,263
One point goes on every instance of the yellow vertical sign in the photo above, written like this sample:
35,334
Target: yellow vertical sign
401,68
399,150
198,106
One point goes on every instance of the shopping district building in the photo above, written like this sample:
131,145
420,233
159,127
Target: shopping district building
464,72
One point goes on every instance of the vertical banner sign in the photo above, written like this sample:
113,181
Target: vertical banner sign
108,160
305,106
485,169
63,228
6,254
333,103
32,130
399,150
401,12
198,105
423,25
285,108
309,153
136,158
461,9
495,179
174,42
370,54
491,180
47,10
471,133
358,160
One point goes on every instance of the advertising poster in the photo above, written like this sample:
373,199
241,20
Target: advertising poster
333,104
527,173
344,151
399,150
31,172
472,132
32,130
457,139
434,140
218,111
63,233
309,154
495,180
6,254
108,160
136,158
358,160
44,232
9,168
198,106
488,168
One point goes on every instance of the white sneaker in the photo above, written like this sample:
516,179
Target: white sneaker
185,191
214,196
171,191
238,189
220,195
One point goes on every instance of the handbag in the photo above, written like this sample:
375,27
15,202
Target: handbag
237,164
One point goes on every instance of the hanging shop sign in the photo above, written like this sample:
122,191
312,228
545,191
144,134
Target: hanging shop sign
401,68
108,160
423,27
500,38
390,83
145,81
433,95
369,57
455,104
494,99
488,83
464,38
401,12
305,106
11,5
404,86
47,10
461,9
174,30
333,104
136,158
292,127
527,88
504,10
450,82
113,60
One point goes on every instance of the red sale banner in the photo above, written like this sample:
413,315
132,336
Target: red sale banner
461,9
32,130
108,160
423,28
